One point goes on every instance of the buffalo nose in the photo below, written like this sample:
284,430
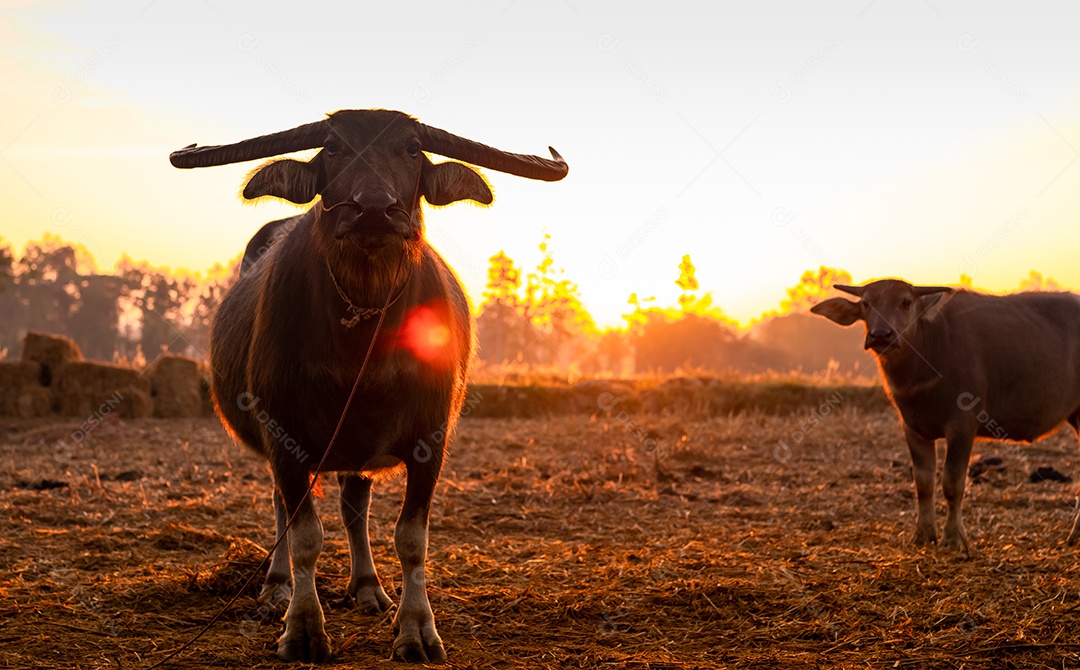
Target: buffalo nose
881,333
374,203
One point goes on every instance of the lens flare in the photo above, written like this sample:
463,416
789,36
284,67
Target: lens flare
427,335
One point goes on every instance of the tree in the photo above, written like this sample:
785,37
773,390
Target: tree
813,287
154,305
205,301
47,280
1036,282
696,334
501,324
544,324
54,286
8,299
638,316
504,281
94,323
687,282
553,307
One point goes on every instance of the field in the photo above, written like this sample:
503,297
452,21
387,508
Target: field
642,540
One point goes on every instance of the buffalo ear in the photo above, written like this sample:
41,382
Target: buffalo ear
295,181
839,310
449,182
930,305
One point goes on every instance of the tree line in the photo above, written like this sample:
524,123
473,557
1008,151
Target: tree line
536,320
531,320
132,314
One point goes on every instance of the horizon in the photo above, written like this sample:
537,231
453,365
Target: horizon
702,303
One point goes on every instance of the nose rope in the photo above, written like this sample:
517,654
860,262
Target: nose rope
343,203
364,313
356,313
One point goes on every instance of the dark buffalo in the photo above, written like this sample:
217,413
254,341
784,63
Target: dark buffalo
290,336
961,365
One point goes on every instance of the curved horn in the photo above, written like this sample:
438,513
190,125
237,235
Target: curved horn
853,290
532,167
920,291
307,136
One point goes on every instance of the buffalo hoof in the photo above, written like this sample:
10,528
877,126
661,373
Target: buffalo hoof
305,646
276,591
369,596
925,537
955,540
413,649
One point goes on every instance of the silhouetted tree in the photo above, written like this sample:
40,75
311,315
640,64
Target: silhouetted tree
697,335
94,323
813,287
47,286
553,307
502,326
8,300
688,282
1036,282
548,325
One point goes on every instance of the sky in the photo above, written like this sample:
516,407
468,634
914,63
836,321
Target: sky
921,140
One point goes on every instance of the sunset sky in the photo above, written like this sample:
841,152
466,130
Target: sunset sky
912,139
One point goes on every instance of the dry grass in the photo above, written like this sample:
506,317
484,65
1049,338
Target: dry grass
644,542
519,374
689,397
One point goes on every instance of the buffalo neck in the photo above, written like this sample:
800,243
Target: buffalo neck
368,277
913,363
356,285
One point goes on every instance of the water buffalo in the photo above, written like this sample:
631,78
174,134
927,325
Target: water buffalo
962,365
290,336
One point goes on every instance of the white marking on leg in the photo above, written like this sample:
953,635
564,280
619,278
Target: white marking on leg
305,636
277,588
417,640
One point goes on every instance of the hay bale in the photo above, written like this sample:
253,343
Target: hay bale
21,391
98,389
14,377
174,386
35,402
51,351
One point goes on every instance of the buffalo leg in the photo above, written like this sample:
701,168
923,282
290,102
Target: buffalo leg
305,636
364,587
953,483
417,640
1074,536
278,585
924,467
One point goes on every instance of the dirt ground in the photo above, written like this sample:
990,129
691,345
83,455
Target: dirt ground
574,541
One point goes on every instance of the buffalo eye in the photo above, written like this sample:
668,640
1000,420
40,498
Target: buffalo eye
332,147
906,304
414,149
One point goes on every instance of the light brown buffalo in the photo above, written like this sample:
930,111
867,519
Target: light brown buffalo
961,365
